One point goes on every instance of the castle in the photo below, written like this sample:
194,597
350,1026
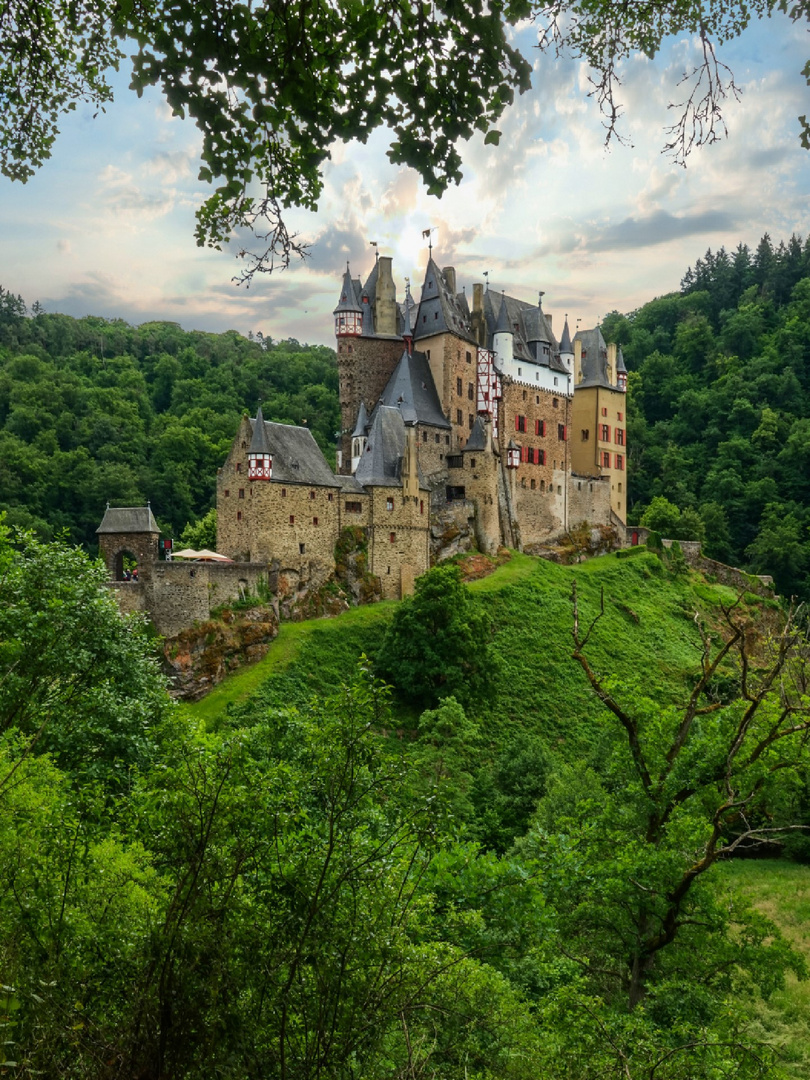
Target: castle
456,421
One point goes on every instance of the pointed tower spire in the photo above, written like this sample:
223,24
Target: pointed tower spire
621,372
502,325
260,459
503,338
348,313
407,330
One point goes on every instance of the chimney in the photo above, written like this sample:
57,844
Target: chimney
450,277
611,362
478,297
577,360
386,305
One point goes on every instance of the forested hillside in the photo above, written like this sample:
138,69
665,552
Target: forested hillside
719,408
336,879
94,410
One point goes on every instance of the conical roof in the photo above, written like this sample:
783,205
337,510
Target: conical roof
565,340
348,298
620,362
411,389
478,436
259,443
439,307
362,422
502,325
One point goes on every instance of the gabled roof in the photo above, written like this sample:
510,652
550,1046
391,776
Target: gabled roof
348,297
594,359
297,458
412,391
362,421
529,326
439,308
258,442
381,463
128,519
478,436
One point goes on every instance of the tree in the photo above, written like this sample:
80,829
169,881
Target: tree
76,678
697,779
438,644
272,86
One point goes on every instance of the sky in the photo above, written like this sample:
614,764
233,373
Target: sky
106,226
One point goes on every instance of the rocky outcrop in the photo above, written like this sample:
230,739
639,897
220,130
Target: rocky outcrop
201,656
452,530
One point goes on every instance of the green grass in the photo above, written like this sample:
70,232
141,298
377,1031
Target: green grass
646,638
781,890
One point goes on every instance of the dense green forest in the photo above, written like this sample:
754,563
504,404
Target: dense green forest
336,880
94,410
719,408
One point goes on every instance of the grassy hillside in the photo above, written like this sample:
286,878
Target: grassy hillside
647,637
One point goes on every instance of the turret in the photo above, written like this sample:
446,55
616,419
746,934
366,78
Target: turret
567,349
348,313
512,455
260,460
621,373
359,437
503,338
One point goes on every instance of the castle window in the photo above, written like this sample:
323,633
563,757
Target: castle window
533,484
437,438
435,314
619,436
312,494
241,493
239,466
541,457
354,507
537,378
562,434
424,436
330,497
520,372
472,463
555,403
586,434
471,391
302,549
619,461
525,395
284,493
459,387
314,521
227,492
389,504
447,440
469,357
292,519
238,515
539,427
559,489
604,432
523,482
459,416
604,412
421,506
605,459
619,487
392,537
520,423
244,446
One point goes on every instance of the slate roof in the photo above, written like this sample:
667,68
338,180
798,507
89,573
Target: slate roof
349,485
440,310
503,326
478,436
258,442
566,345
362,421
412,391
297,458
128,519
620,362
381,463
594,359
533,330
348,297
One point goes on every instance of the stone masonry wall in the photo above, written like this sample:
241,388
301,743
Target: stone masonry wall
181,593
143,546
233,531
533,405
399,545
588,500
364,367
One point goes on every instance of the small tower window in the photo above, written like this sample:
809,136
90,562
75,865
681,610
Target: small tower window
312,494
389,504
284,493
238,515
292,519
392,537
302,548
314,521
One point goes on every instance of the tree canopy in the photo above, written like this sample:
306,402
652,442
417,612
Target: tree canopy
272,86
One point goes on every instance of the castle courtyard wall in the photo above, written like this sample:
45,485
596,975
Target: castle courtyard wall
399,539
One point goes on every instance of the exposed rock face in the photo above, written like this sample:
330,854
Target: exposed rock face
452,530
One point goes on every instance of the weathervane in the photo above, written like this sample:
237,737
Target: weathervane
427,234
376,247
